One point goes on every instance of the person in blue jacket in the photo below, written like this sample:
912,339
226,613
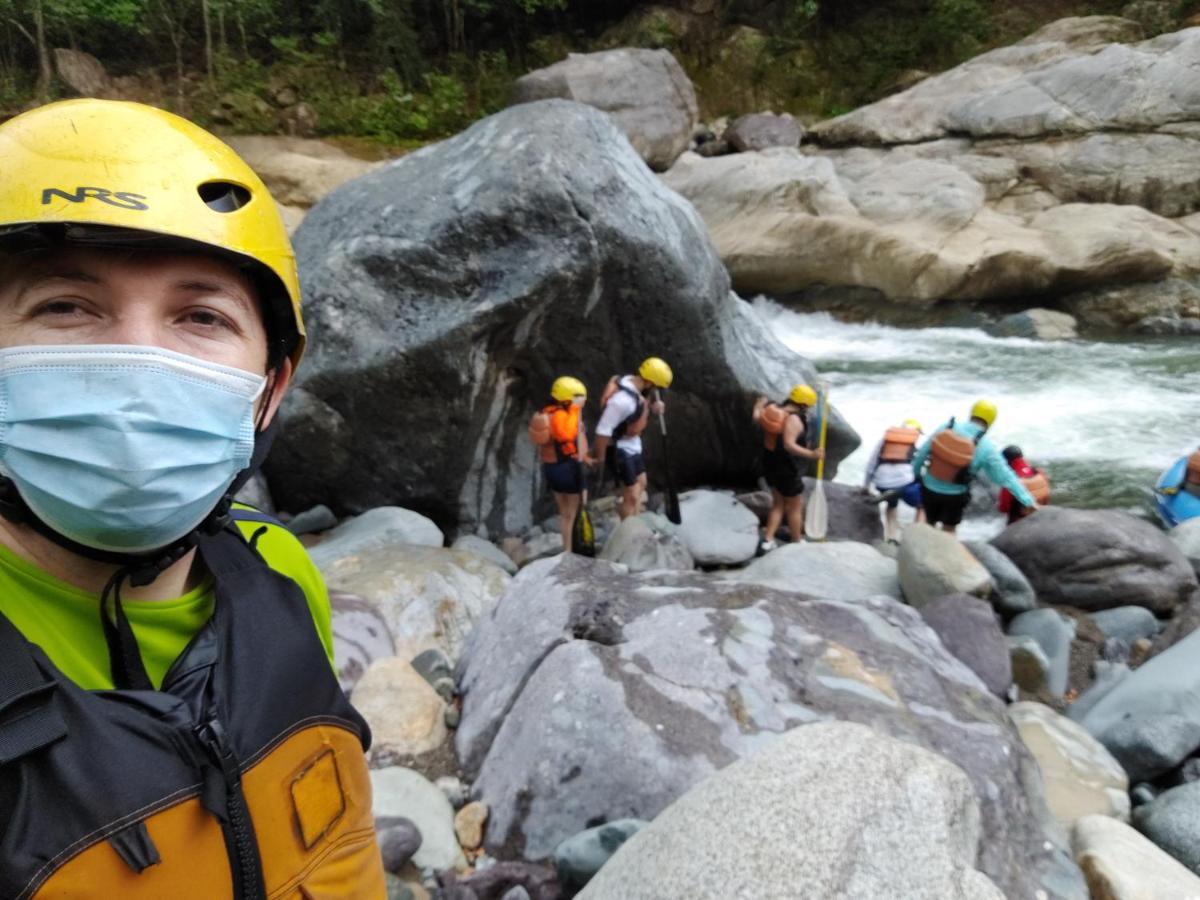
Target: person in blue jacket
948,462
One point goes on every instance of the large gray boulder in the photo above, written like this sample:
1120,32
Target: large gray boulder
758,131
1150,719
646,542
1098,559
1012,593
840,570
849,790
592,695
934,564
1038,170
445,291
646,92
716,529
968,628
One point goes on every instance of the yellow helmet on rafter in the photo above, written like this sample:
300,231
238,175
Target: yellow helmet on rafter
567,388
985,411
803,395
126,167
657,372
913,424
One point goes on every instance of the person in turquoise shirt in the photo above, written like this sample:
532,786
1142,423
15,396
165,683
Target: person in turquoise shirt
948,461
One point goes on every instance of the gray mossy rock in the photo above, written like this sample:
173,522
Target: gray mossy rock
460,279
716,528
934,564
1012,593
485,550
594,695
1127,622
647,93
579,858
1147,719
360,636
646,542
374,529
1098,559
1039,324
317,518
909,815
968,628
840,570
1172,821
758,131
1186,536
1121,864
427,596
1054,633
1080,776
399,840
1030,666
400,792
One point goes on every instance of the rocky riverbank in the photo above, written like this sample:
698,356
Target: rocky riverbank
1013,719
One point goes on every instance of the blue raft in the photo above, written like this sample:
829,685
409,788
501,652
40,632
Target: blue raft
1174,504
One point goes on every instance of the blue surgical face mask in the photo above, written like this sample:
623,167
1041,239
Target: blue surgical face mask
122,448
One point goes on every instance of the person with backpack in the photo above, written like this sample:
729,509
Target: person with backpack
625,412
1035,482
171,724
557,431
948,462
890,471
785,456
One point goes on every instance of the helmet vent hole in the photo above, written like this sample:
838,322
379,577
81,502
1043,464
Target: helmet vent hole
223,196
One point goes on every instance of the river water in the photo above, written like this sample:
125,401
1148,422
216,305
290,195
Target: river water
1104,418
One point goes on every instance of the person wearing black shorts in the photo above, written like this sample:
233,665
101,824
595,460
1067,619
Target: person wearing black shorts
785,458
946,509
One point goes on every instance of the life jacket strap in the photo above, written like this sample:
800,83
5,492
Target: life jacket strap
29,719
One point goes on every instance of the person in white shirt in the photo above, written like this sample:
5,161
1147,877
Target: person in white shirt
627,407
891,472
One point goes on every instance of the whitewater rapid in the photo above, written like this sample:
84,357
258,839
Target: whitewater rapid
1104,418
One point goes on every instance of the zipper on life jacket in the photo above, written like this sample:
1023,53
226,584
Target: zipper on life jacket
240,843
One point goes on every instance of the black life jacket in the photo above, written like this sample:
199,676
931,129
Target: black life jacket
777,454
639,403
157,793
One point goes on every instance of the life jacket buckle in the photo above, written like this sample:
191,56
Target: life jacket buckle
212,736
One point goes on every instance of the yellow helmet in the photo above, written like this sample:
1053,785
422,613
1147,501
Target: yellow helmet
913,423
657,372
803,395
133,167
567,388
985,411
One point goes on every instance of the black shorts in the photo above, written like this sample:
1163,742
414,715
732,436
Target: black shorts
627,466
783,476
564,477
945,508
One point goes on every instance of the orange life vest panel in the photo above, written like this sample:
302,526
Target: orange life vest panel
1039,486
541,432
634,424
772,419
949,455
899,445
1193,468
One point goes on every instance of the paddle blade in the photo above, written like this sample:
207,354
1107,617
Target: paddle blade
583,536
816,514
672,506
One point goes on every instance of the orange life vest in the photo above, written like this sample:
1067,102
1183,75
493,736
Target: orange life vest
541,432
243,776
634,424
1039,486
1193,468
899,445
772,419
950,454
